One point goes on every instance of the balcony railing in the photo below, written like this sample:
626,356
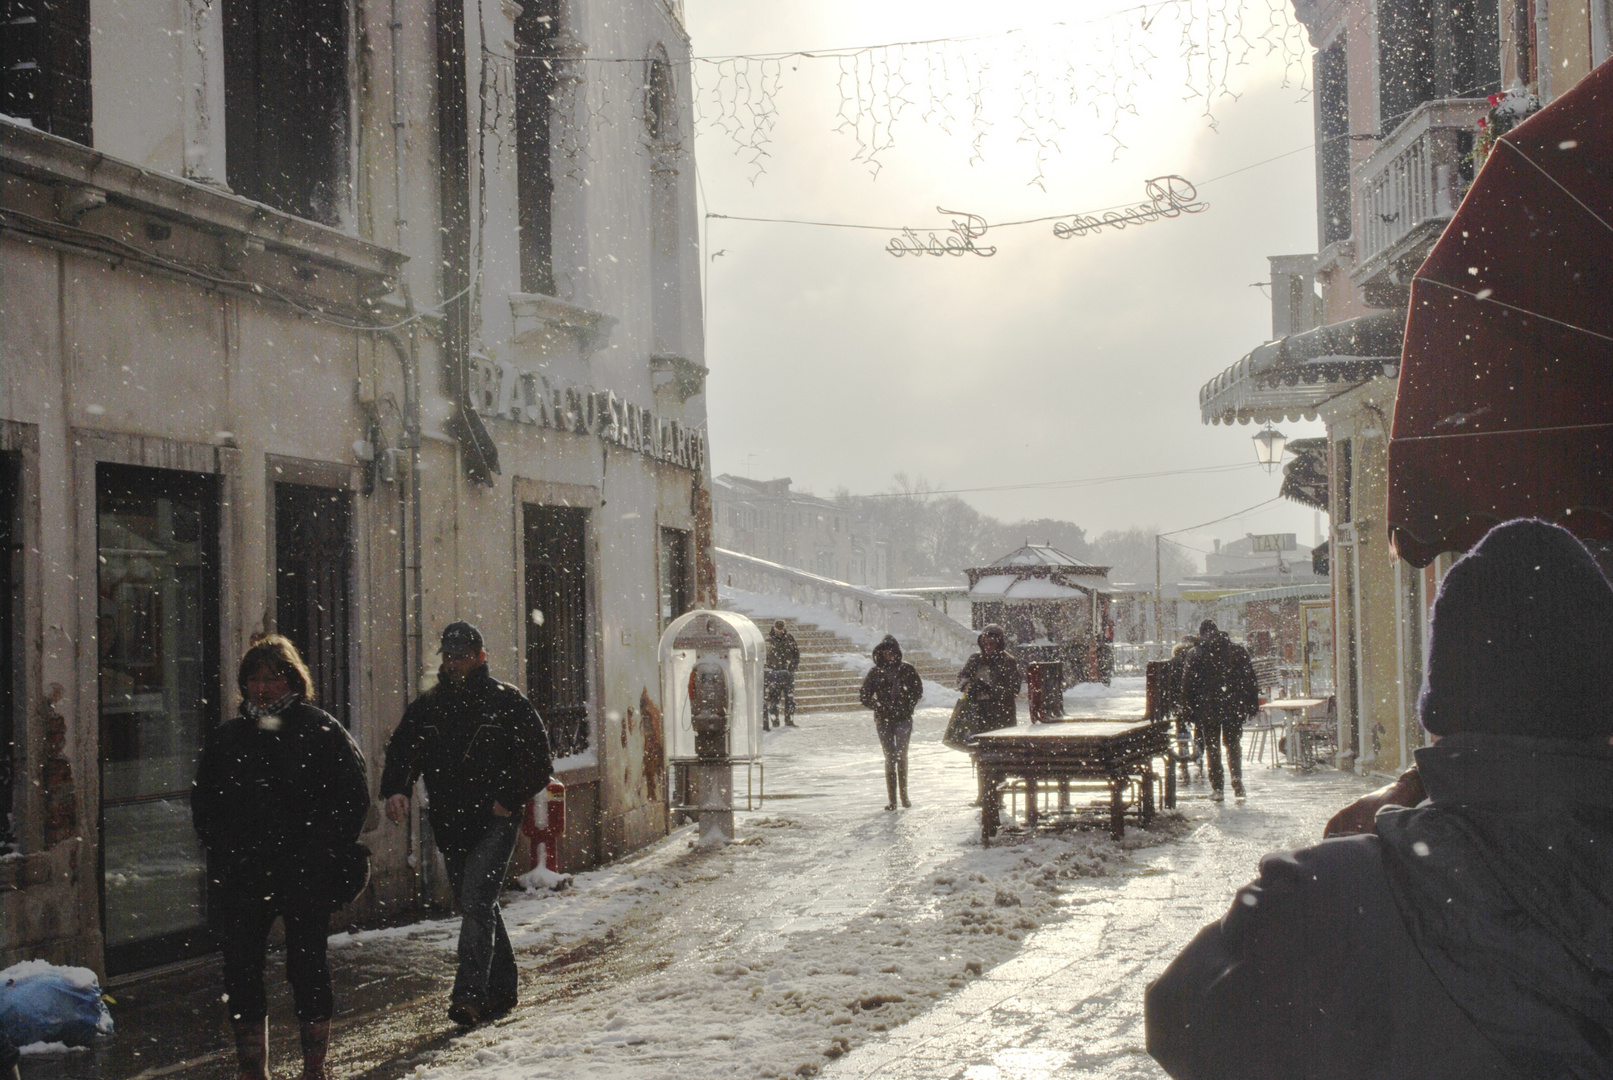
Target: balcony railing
1412,185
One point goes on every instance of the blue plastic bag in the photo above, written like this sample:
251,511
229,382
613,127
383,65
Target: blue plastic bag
43,1003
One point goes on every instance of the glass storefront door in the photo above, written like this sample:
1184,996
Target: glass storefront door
159,693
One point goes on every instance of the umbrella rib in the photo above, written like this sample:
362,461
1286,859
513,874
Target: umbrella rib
1512,307
1600,220
1502,431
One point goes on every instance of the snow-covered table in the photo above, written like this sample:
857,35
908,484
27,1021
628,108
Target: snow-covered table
1115,752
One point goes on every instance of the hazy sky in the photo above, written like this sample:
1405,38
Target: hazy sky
838,365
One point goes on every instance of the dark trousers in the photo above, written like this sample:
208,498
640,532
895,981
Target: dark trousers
486,974
778,689
893,739
242,924
1215,734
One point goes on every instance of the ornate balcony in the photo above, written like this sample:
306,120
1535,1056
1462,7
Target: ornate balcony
1409,189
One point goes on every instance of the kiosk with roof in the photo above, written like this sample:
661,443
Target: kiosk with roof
1055,611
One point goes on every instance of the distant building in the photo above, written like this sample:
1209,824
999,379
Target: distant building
766,519
1240,564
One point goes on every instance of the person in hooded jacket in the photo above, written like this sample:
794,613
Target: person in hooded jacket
279,799
1219,692
892,688
483,751
991,678
778,676
1472,935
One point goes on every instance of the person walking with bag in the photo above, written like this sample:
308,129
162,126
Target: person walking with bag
279,800
991,680
778,676
892,688
483,752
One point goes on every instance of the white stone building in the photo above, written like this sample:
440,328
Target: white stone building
347,319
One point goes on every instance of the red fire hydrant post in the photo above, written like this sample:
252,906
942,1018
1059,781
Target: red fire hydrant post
544,824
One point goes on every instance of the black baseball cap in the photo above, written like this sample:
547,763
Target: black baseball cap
460,639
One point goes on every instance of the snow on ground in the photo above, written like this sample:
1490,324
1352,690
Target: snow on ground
829,921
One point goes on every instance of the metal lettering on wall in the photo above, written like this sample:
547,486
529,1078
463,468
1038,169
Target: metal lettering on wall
1168,197
503,391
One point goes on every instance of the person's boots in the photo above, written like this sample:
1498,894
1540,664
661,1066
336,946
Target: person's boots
890,785
252,1048
315,1045
901,782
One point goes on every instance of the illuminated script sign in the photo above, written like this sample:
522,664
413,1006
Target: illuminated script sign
1168,197
960,241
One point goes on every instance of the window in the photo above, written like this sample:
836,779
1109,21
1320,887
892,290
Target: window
674,575
557,623
45,65
1332,144
1434,49
313,589
534,108
286,104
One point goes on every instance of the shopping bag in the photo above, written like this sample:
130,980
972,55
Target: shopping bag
42,1003
963,726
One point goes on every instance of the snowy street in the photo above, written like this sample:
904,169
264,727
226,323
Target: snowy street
833,939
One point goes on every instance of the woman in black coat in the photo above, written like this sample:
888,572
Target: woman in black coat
279,801
991,678
892,688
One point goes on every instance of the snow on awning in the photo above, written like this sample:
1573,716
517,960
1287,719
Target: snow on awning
1009,589
1287,379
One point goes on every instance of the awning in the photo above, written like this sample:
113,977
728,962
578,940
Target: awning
1006,588
1287,379
1505,404
1305,478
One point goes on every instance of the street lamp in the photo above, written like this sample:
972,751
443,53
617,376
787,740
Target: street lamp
1269,447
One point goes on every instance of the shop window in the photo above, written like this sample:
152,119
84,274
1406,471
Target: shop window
557,623
45,65
313,586
536,26
674,575
158,637
286,104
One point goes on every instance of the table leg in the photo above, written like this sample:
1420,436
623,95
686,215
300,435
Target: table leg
1148,796
990,807
1117,807
1032,812
1170,786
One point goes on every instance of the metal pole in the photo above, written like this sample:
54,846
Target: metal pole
1159,615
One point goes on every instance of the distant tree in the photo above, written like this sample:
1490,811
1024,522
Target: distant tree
1130,555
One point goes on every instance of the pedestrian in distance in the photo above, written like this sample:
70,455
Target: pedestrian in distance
892,688
279,800
1465,937
1219,693
1190,748
483,752
778,676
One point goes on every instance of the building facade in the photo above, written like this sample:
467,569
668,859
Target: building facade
1404,91
345,321
766,519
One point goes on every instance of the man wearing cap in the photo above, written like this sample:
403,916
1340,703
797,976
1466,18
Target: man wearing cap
483,751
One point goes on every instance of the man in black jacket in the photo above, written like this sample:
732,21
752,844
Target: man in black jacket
778,676
1470,936
483,751
1219,692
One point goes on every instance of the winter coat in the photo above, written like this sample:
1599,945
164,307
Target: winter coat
1472,936
782,652
1172,692
1218,682
275,806
892,687
992,684
476,743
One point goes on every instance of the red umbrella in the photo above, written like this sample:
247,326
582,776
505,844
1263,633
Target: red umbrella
1505,404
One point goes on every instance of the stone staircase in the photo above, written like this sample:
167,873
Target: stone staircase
823,682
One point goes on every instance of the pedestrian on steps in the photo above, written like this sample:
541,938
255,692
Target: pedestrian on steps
1220,692
279,801
892,688
483,752
778,676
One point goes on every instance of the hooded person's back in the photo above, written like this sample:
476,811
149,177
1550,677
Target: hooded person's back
1471,936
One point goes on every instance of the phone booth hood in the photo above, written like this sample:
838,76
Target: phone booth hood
735,643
